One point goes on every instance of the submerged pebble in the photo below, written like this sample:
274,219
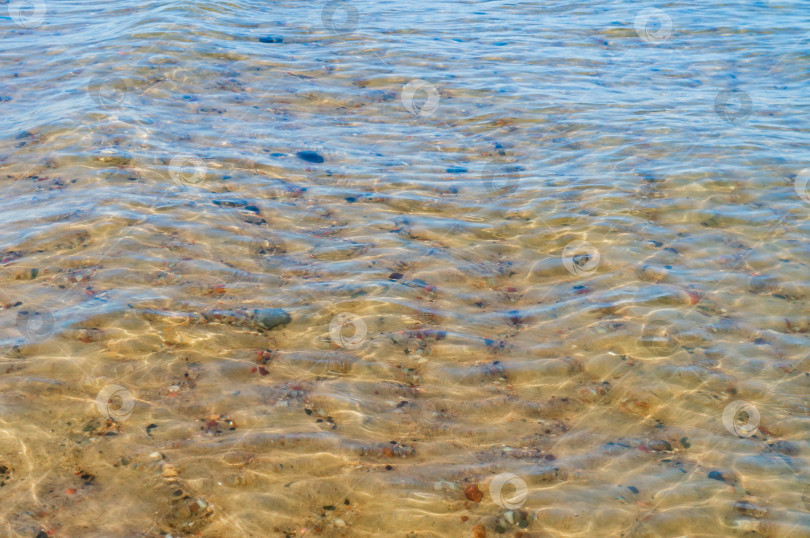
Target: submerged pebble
261,318
310,156
268,318
473,493
716,475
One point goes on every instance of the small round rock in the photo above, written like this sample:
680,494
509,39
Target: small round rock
268,318
310,156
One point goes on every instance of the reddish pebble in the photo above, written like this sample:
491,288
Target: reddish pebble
582,290
70,491
263,371
479,532
473,493
464,519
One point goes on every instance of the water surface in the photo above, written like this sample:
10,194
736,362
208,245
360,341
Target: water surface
546,266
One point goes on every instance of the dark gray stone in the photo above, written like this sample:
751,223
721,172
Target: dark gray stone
310,156
268,318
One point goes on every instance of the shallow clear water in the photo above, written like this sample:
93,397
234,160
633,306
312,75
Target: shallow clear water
545,266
